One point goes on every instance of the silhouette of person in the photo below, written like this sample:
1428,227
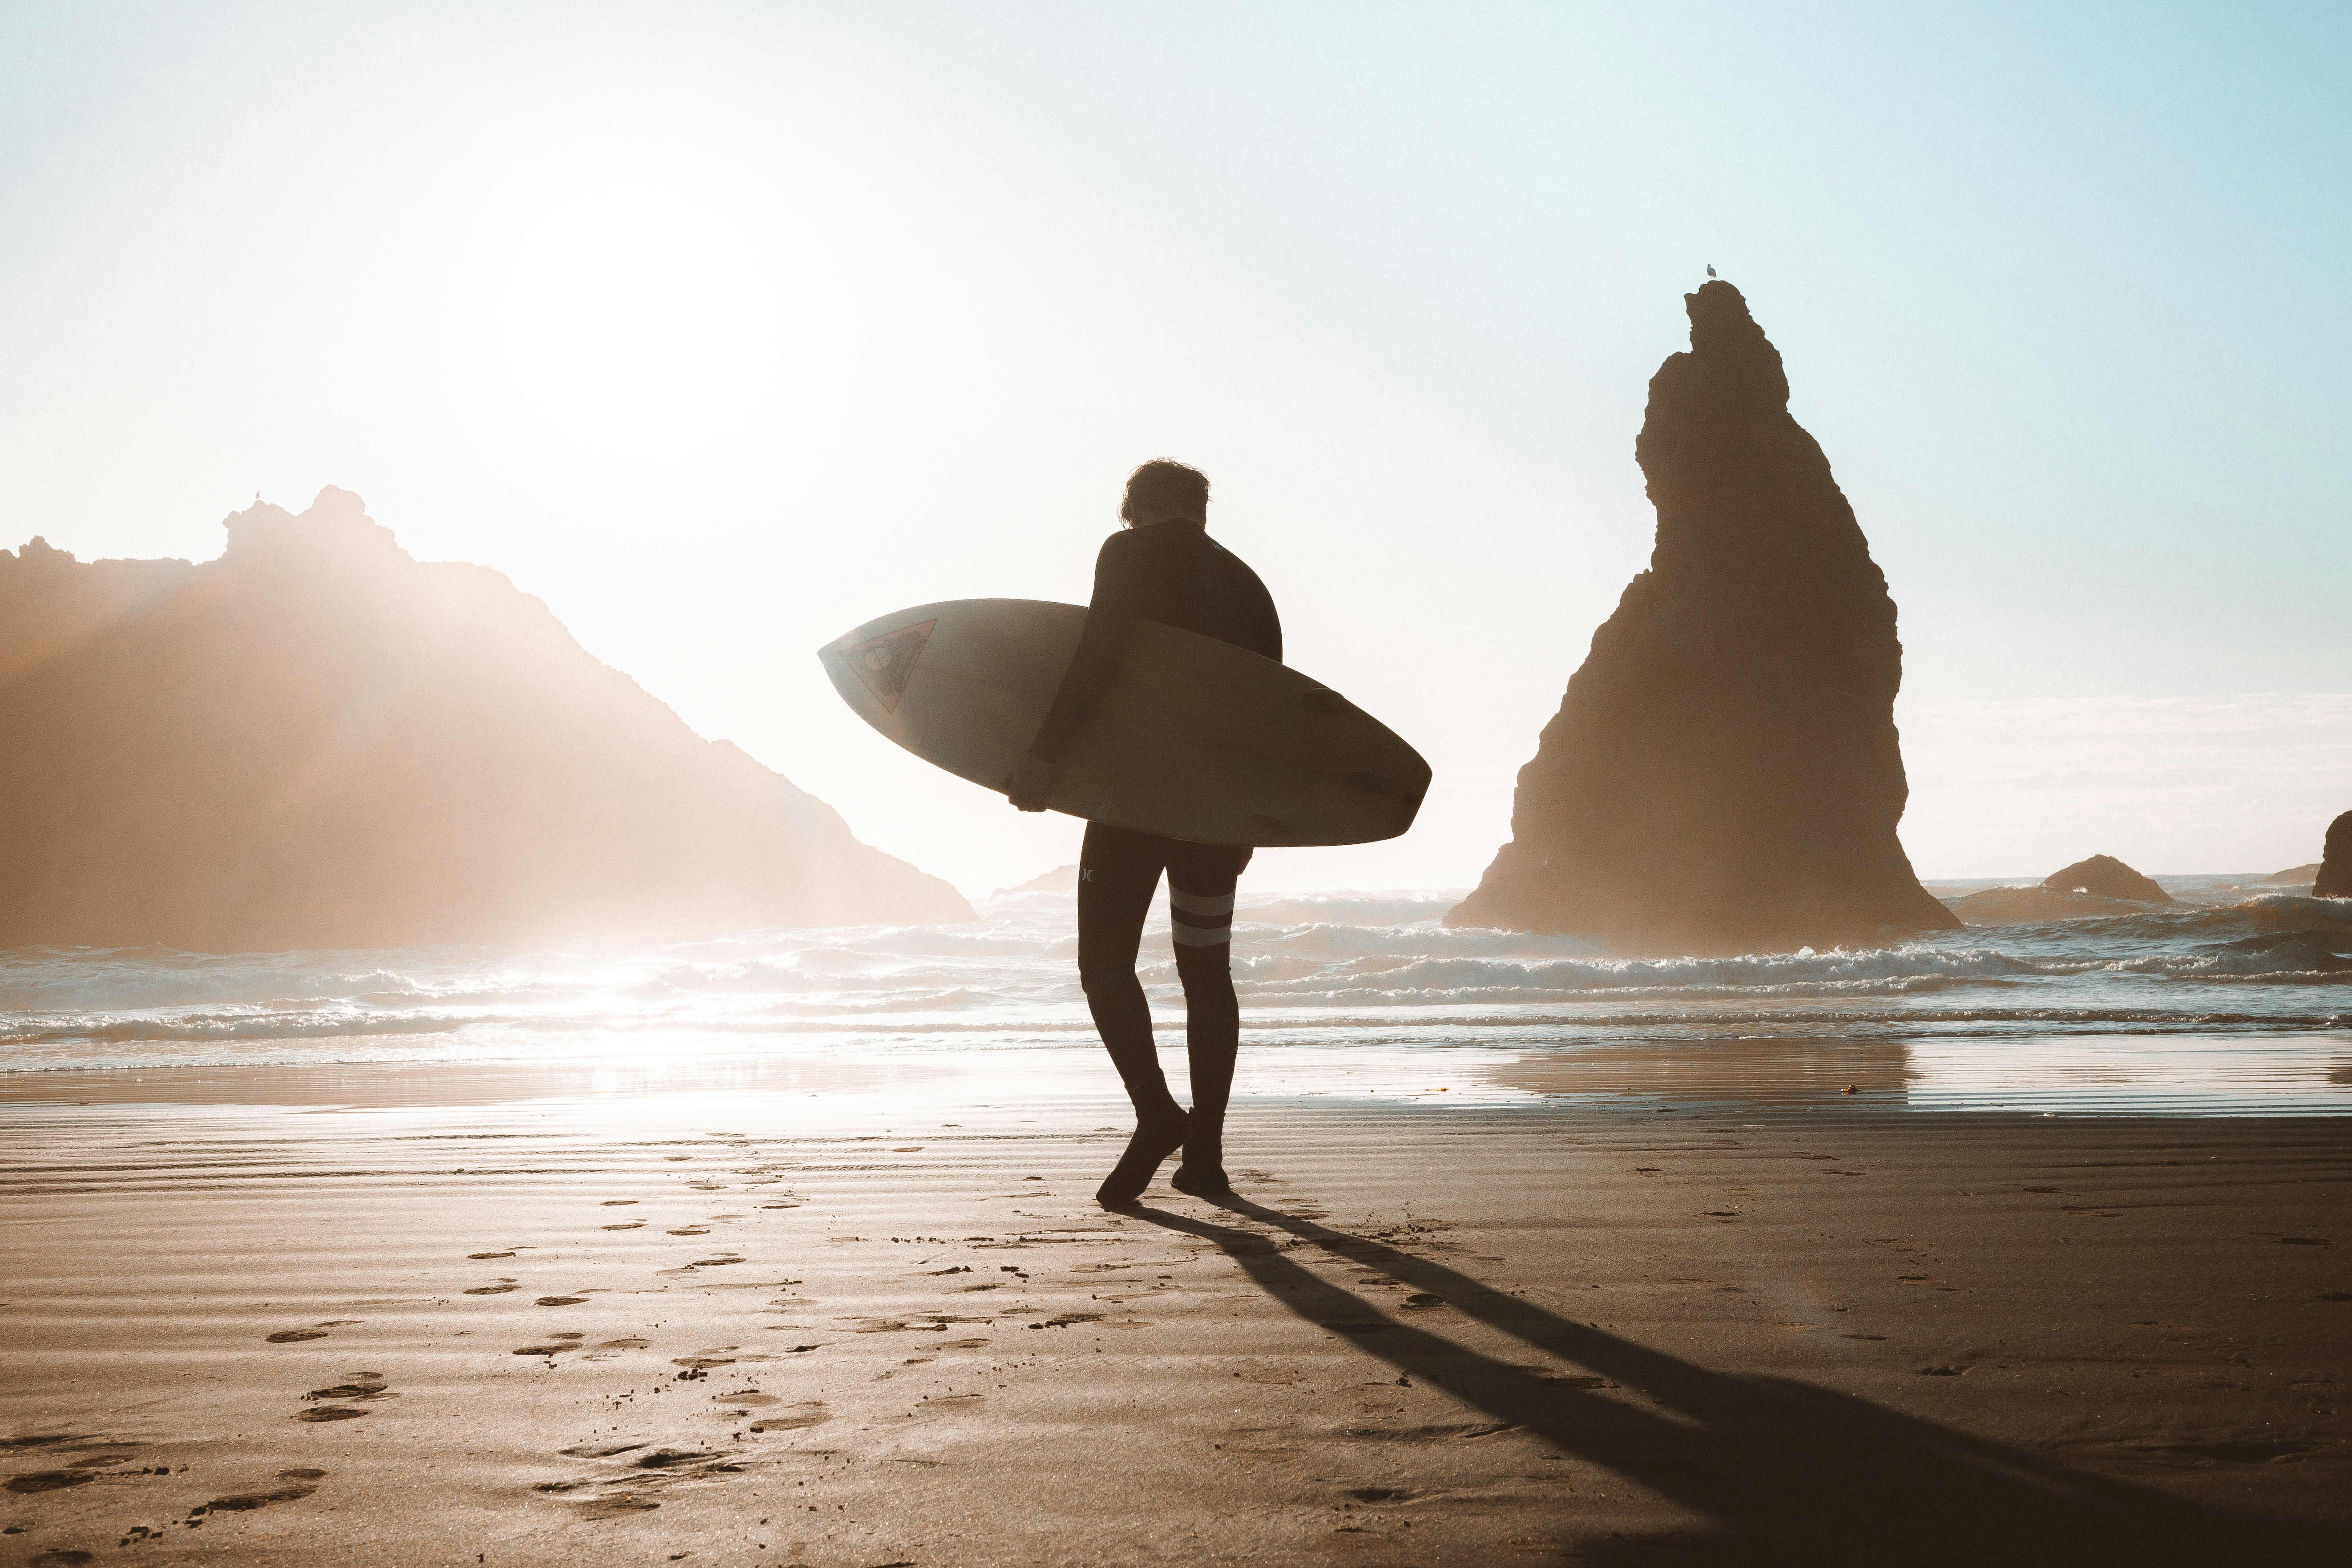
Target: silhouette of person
1163,567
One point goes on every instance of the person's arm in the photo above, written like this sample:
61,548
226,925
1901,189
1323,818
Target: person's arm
1111,620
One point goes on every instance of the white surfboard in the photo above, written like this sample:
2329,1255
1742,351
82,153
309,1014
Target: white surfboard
1196,738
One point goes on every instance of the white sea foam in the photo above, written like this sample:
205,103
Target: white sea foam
1324,968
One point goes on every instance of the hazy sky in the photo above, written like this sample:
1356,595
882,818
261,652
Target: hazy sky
724,328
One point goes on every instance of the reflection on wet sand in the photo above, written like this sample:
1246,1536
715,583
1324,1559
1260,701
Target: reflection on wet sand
390,1084
2199,1075
2204,1075
1769,1072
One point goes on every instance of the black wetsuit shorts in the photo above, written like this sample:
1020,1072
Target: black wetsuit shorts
1118,872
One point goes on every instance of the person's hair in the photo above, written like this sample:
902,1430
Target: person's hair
1163,488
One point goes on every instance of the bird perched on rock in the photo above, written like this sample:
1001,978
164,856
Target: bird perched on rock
1710,271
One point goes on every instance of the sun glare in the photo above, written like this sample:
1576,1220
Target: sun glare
627,288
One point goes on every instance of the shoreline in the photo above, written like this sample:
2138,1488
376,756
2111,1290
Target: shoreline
1552,1333
2189,1075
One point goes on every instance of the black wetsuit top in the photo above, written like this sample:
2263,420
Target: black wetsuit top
1172,572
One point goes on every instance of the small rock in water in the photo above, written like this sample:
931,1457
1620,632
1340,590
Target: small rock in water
2106,878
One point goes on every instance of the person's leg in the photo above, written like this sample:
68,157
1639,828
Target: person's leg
1200,880
1119,871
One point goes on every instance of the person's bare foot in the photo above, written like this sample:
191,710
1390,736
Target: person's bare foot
1157,1136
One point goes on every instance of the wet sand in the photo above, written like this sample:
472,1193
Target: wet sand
385,1320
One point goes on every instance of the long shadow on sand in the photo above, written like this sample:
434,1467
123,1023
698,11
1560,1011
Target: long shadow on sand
1787,1471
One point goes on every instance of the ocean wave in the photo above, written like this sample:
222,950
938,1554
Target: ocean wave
1435,1029
1419,909
1714,976
1329,941
264,1026
1353,966
2184,922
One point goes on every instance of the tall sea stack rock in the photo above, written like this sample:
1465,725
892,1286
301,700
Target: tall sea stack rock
1724,775
2335,878
317,741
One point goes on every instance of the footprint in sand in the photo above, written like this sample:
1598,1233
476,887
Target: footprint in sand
245,1502
2252,1452
359,1385
750,1398
692,1460
559,1300
63,1557
596,1449
1426,1434
293,1336
630,1224
477,1255
799,1417
619,1203
691,1230
624,1344
500,1289
48,1480
331,1413
104,1462
952,1402
617,1506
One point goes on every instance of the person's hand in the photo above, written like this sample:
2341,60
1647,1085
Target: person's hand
1031,781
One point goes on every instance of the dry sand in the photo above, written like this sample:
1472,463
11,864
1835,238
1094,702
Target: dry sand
735,1330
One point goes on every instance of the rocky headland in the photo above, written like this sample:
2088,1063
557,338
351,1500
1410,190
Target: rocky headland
2335,878
317,741
1724,773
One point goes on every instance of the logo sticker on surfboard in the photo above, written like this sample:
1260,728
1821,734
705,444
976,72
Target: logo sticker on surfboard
887,662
